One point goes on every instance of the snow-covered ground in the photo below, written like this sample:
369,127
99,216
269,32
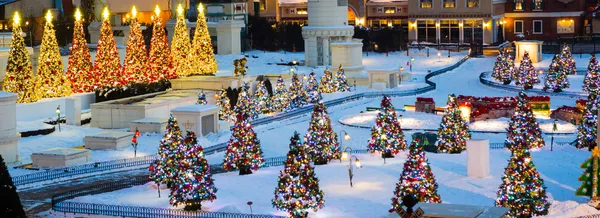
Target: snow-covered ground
374,184
575,82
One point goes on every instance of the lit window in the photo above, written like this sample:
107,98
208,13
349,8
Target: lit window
301,11
537,4
426,3
449,3
263,5
389,10
519,5
537,27
472,3
518,26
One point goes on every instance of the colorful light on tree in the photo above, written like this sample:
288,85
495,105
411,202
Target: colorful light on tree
280,99
262,99
312,89
523,128
321,141
386,135
587,129
243,150
567,61
107,66
201,98
80,61
526,74
556,79
297,94
164,168
340,81
225,111
160,63
327,84
245,103
591,83
454,130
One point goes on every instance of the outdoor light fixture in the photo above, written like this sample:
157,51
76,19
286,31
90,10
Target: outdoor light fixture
58,117
346,136
357,163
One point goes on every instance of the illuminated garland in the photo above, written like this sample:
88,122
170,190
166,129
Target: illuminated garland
164,168
416,178
454,130
243,150
523,128
586,131
280,98
312,89
297,188
386,135
320,139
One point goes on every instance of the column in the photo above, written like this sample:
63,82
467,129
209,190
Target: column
9,137
228,36
326,59
310,51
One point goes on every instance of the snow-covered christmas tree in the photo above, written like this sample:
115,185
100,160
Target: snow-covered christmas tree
297,93
386,135
262,99
527,76
243,150
281,98
312,89
321,140
587,129
454,130
591,83
523,128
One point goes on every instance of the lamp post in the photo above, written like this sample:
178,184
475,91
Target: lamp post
412,59
400,75
439,55
554,128
346,138
58,117
350,170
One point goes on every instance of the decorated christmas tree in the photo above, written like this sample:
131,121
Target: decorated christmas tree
522,190
501,72
281,97
297,93
586,132
160,63
567,61
590,179
192,181
327,84
386,135
50,79
201,98
297,188
591,83
19,74
510,64
312,89
245,103
164,168
556,79
416,178
340,81
527,76
262,99
11,203
80,61
136,57
222,100
523,128
202,51
181,47
320,140
243,150
454,130
107,66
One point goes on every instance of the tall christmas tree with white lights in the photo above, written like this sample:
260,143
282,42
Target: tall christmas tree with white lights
454,130
202,51
107,66
50,79
320,140
587,130
136,57
523,128
387,136
297,188
243,151
591,83
181,47
80,62
280,99
416,178
19,77
192,181
160,63
262,99
312,89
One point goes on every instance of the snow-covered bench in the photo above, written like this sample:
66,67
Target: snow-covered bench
60,157
108,140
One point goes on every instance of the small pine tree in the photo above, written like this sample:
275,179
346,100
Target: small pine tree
192,181
297,93
136,56
567,61
245,103
297,188
280,98
510,64
522,189
181,46
327,84
80,60
262,99
160,62
527,76
50,79
222,100
454,130
523,126
201,98
590,178
10,203
499,72
586,132
320,140
163,168
556,79
312,89
202,51
386,135
591,83
243,150
340,81
107,65
19,77
416,178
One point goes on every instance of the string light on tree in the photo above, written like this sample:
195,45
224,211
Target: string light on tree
50,79
243,150
297,94
160,63
202,50
523,128
136,55
107,67
556,80
181,46
591,83
454,130
587,129
327,84
201,98
526,74
163,169
262,99
320,139
80,61
245,103
386,125
340,81
312,89
280,99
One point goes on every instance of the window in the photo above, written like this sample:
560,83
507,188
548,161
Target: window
375,23
389,10
426,31
396,23
472,31
301,11
291,10
449,3
537,27
518,26
472,3
537,5
263,5
518,5
426,3
449,31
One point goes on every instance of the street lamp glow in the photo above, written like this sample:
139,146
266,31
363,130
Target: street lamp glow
344,155
346,137
77,15
105,13
134,12
58,110
179,10
357,162
16,18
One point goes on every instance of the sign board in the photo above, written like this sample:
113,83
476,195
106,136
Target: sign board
565,26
